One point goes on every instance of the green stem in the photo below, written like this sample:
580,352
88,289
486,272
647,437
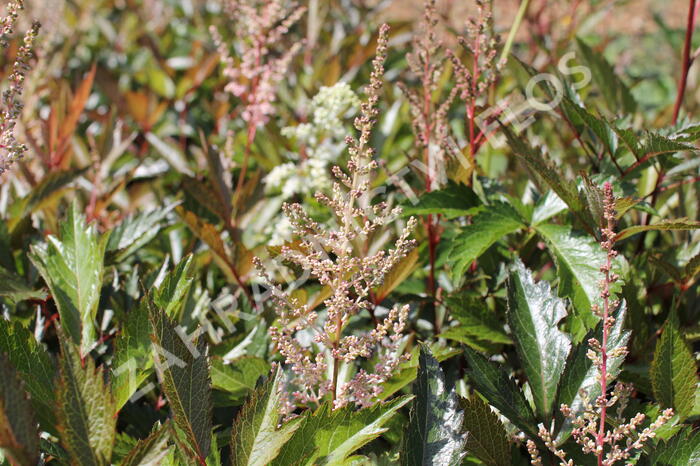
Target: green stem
514,28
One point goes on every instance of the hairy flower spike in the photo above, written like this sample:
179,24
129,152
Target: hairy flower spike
261,27
329,256
10,149
590,429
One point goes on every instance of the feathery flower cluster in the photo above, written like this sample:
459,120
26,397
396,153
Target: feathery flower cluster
331,256
10,149
322,140
590,426
429,121
261,30
475,78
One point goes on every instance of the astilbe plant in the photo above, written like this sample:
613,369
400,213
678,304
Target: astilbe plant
477,76
429,119
10,149
590,430
329,255
261,27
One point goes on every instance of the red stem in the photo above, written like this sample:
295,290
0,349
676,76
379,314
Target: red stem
687,60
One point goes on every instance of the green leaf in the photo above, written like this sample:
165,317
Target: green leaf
331,436
238,379
487,439
544,169
151,450
15,289
647,146
41,194
598,126
534,314
19,436
683,449
255,438
579,381
132,361
578,258
171,293
475,320
86,410
501,392
434,432
617,96
184,371
73,268
35,367
455,200
664,225
135,231
489,226
673,370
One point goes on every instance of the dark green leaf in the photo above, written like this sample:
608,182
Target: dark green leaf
683,449
455,200
434,433
86,410
172,291
135,231
664,225
501,392
72,266
487,439
184,370
36,368
616,94
475,320
15,289
151,450
19,436
238,378
534,314
331,436
255,438
489,226
673,370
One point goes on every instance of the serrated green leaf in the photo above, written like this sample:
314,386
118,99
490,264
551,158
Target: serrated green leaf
683,449
133,360
673,370
534,315
617,96
692,268
172,291
238,379
475,320
545,170
331,436
489,226
434,433
151,450
664,225
578,258
19,436
15,289
184,371
547,207
72,266
500,391
255,438
579,381
455,200
36,368
85,408
487,439
135,231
